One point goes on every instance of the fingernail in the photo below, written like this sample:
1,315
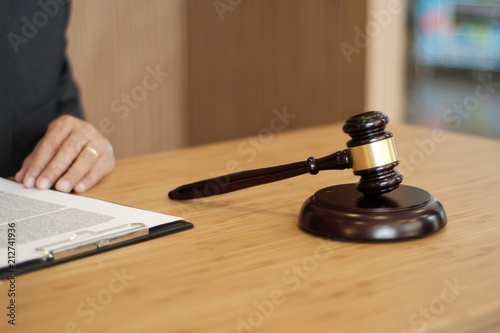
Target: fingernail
63,186
43,183
80,187
29,182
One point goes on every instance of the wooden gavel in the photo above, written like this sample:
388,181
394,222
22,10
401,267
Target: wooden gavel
371,153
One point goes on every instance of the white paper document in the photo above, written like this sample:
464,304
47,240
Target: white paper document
37,224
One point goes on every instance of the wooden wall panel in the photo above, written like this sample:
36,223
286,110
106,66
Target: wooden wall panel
230,72
385,58
113,47
248,57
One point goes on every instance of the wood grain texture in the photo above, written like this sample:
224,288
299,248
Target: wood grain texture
230,75
386,56
246,250
251,57
113,46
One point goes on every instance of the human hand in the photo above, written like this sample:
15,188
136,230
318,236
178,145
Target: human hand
73,155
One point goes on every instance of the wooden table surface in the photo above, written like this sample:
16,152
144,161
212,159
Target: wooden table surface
247,267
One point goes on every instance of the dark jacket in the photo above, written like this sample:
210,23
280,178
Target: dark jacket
35,78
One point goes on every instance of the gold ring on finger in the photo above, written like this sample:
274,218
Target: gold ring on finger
92,150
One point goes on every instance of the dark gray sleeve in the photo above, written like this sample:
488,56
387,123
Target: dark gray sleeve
68,94
36,85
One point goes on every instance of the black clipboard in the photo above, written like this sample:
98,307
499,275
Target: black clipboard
105,240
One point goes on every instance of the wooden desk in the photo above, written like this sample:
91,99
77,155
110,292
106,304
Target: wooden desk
247,267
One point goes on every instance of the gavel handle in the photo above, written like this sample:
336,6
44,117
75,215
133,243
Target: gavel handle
240,180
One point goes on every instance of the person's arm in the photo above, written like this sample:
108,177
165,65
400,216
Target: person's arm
73,154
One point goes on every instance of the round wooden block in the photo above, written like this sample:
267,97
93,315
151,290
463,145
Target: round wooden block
343,212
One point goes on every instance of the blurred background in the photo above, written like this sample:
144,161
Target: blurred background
453,79
163,74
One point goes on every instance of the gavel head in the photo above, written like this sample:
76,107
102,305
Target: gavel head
372,153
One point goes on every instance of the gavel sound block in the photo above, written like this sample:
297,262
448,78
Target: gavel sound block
377,208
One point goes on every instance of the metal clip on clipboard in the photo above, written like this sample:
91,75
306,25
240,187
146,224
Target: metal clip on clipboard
86,241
